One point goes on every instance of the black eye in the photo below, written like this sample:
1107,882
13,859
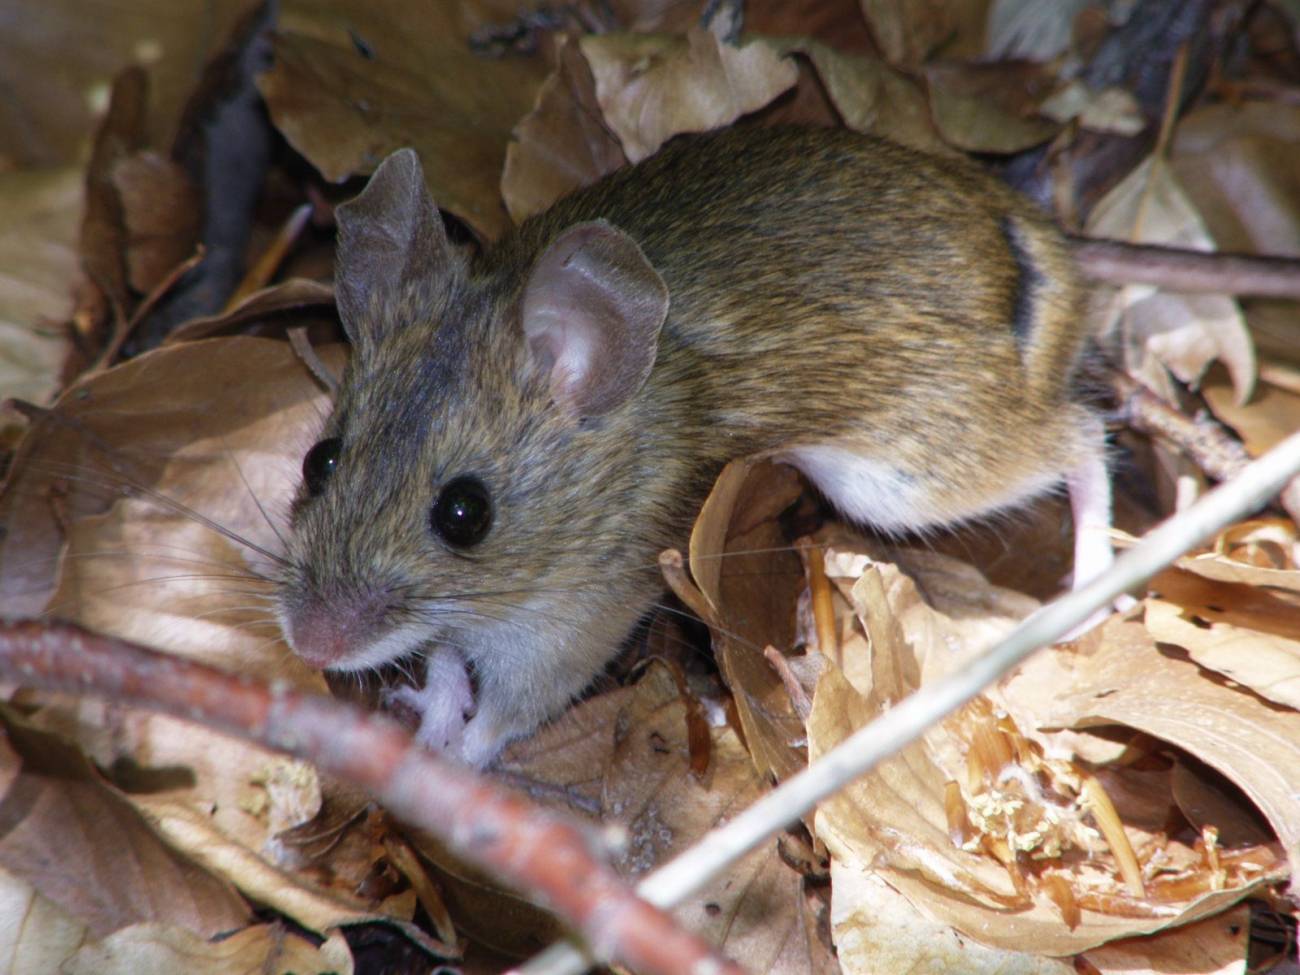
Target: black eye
319,464
462,514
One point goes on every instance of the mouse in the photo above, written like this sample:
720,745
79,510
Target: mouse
520,431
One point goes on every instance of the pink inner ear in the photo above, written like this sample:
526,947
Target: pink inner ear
592,310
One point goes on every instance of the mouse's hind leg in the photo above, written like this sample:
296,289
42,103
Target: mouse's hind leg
1088,483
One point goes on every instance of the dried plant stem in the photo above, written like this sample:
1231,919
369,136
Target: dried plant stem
543,854
1211,447
823,607
909,719
1176,269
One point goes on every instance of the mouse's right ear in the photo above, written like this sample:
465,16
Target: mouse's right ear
592,311
389,233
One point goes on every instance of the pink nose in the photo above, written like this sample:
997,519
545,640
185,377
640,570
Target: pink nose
324,637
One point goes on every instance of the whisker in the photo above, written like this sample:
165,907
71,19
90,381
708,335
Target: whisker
78,474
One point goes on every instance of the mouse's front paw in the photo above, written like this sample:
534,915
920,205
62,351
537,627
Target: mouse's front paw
444,704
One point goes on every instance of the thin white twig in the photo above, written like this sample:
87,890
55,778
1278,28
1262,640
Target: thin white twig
907,721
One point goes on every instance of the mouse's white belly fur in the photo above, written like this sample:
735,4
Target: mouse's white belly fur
874,492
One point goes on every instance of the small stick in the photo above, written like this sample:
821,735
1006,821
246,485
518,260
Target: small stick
1178,269
260,274
544,854
1210,446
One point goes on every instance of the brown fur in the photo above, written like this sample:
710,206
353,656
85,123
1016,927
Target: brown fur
824,287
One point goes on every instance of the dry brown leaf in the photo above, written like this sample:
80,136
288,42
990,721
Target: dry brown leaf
742,563
911,33
751,912
152,949
562,144
83,847
1246,633
1159,330
44,934
38,270
1271,415
1236,162
896,821
1257,553
1128,681
212,430
57,58
562,766
872,97
1215,946
161,211
653,86
877,930
260,313
1266,663
624,759
354,81
989,108
1112,110
222,433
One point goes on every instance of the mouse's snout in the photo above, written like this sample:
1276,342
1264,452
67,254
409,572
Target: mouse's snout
333,634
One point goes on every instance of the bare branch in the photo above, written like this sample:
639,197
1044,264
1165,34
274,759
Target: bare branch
543,854
1176,269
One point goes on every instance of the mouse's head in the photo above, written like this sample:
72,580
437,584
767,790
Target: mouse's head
476,467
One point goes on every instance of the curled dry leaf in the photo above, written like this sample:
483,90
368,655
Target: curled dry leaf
1247,634
746,571
1128,681
977,826
1158,330
354,81
1265,552
652,87
298,296
989,108
563,144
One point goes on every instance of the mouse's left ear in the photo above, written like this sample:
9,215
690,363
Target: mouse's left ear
592,310
389,233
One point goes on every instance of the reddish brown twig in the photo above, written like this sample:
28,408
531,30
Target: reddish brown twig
542,854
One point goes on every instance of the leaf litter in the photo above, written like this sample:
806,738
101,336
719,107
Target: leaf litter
1112,804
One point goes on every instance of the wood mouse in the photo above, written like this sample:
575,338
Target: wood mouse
518,434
